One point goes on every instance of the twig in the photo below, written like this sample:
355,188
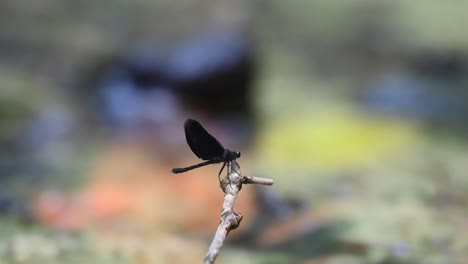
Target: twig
256,180
230,220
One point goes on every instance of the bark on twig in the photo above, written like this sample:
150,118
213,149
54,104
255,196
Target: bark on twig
230,220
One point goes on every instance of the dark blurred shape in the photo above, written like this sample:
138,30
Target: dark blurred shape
27,137
13,206
212,73
132,89
432,90
276,206
215,72
440,64
278,220
313,243
15,158
286,228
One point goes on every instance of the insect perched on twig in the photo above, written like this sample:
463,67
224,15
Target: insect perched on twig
206,147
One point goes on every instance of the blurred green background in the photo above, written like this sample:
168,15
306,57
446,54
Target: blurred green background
358,111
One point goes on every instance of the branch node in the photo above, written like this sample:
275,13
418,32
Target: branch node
230,220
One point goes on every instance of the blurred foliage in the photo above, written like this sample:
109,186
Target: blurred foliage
311,139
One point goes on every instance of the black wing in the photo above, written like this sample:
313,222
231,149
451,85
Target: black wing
202,144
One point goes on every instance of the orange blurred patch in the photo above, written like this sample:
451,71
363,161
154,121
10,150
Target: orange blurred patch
129,187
